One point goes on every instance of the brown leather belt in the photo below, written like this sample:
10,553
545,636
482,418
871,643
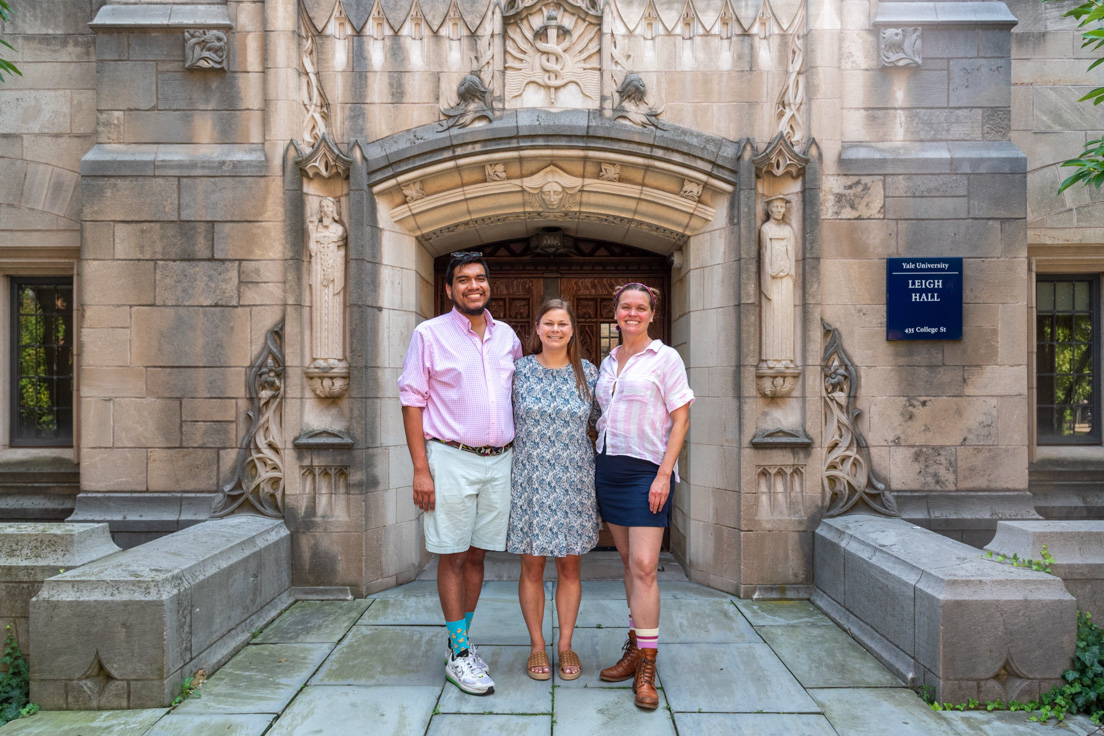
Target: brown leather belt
485,450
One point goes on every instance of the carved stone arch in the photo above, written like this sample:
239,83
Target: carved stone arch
592,178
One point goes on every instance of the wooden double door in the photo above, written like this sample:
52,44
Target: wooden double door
585,275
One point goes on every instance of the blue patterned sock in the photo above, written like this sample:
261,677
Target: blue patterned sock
468,619
458,635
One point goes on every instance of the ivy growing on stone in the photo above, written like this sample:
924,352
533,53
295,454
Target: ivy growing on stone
15,683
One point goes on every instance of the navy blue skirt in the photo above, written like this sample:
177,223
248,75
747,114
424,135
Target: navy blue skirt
622,484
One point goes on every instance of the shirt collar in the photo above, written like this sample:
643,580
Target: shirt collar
653,347
465,324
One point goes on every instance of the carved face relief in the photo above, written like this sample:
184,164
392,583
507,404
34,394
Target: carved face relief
327,211
777,209
552,195
551,189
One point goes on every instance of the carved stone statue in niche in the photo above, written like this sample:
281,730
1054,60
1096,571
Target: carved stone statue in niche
777,370
328,371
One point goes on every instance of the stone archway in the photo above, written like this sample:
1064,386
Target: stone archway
674,193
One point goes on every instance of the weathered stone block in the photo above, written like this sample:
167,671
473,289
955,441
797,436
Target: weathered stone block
177,604
126,85
163,241
129,199
180,126
231,198
183,470
113,470
852,197
117,282
249,240
31,553
207,283
190,336
35,111
1077,548
932,610
147,423
191,91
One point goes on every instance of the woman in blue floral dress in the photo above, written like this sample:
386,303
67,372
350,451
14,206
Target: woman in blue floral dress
553,510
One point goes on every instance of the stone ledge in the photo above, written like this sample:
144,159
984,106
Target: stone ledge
140,17
121,632
937,613
174,159
136,518
944,14
1077,548
30,553
937,157
970,517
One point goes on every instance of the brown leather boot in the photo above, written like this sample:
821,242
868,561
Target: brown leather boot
644,684
626,666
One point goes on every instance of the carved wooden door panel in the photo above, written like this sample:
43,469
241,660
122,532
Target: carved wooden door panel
514,300
592,299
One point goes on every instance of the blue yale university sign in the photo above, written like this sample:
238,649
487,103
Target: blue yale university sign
923,298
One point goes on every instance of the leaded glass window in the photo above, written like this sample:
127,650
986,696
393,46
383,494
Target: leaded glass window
1066,356
42,361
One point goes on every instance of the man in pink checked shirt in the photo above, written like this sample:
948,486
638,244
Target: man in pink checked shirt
455,390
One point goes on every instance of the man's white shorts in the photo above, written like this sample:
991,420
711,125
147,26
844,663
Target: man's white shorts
472,500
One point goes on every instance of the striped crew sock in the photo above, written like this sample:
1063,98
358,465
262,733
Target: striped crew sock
647,638
458,636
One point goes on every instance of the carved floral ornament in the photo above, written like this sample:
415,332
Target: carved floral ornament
848,476
900,47
258,484
205,48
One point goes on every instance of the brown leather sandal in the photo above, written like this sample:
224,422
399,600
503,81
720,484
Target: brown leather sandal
538,659
569,658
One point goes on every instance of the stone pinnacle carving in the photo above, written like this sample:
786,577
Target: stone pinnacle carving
325,160
205,48
259,478
848,476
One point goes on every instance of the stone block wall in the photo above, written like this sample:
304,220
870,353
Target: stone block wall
1050,125
926,169
182,276
47,122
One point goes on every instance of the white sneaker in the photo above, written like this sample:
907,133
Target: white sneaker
463,672
479,661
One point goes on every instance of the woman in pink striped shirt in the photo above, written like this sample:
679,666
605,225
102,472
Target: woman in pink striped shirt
645,401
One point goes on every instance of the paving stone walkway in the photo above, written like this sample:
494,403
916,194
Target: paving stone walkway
375,666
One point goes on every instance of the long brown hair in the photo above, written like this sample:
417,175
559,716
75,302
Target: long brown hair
573,356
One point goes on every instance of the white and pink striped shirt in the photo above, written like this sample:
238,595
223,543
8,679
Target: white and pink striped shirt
462,383
637,405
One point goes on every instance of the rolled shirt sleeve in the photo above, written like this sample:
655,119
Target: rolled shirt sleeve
414,380
676,389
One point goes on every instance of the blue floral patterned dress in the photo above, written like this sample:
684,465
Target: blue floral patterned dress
553,510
